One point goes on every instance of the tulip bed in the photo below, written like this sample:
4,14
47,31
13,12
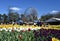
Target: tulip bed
16,36
46,35
33,33
30,35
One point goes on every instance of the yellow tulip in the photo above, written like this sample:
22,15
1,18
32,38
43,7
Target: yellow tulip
54,39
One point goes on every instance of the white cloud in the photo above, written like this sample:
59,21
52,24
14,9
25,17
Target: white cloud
54,11
15,8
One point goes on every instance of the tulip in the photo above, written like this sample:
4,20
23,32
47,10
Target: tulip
20,36
18,30
1,29
12,29
23,30
29,29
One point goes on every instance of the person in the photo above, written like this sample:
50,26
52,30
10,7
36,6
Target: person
13,23
39,23
34,24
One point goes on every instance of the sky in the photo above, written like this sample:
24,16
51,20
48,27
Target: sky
42,6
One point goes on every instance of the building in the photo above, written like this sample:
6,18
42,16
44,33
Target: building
53,21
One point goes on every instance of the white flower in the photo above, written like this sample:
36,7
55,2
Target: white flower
6,30
1,29
10,30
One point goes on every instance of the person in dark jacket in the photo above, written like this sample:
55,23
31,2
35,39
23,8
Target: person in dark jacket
39,23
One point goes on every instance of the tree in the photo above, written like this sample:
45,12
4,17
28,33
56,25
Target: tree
49,15
46,17
57,15
5,18
13,16
23,18
0,18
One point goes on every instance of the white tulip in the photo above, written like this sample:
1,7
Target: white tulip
6,30
18,30
1,29
10,30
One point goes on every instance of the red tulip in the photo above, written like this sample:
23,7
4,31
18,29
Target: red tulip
12,29
29,29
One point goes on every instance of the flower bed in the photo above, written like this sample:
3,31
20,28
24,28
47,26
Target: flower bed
29,33
46,35
18,27
16,36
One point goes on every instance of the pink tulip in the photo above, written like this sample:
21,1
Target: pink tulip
23,30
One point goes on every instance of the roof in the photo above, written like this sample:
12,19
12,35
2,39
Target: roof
36,20
53,20
57,19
